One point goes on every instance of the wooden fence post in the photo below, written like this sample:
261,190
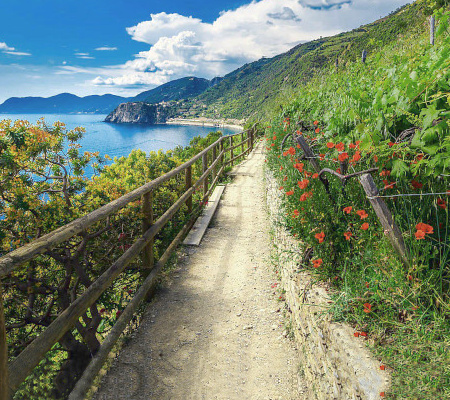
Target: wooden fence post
214,157
432,29
4,378
231,150
242,142
147,221
188,180
222,156
205,167
252,137
391,229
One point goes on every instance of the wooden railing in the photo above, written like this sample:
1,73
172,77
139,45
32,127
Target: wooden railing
12,375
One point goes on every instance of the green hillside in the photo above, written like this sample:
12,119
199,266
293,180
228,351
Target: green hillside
255,88
183,88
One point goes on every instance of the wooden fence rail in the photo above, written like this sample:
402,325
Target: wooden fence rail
16,372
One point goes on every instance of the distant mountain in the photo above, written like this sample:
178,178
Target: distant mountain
183,88
64,103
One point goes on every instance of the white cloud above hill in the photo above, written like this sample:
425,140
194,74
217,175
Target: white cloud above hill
183,45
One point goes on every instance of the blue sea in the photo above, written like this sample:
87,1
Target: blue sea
118,140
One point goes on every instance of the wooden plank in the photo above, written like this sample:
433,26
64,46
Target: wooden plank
147,221
231,150
432,29
188,179
196,234
204,169
25,253
4,378
391,229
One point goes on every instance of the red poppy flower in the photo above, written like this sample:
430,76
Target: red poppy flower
274,137
285,179
375,158
424,227
322,156
315,176
330,145
365,226
296,214
363,334
362,214
342,157
273,144
382,394
317,130
356,334
290,193
303,184
348,235
367,285
420,235
317,263
281,188
382,367
316,122
356,157
348,209
352,146
340,146
320,236
442,203
367,308
299,167
338,170
416,185
390,144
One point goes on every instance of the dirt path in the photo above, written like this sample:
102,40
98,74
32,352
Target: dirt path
217,331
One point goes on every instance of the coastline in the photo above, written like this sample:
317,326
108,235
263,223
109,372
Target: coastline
204,122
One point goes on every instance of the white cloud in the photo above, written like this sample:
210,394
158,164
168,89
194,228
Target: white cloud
106,48
11,50
183,46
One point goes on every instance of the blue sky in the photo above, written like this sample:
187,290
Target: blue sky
127,46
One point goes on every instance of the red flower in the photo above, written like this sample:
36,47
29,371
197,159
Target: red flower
356,157
416,185
424,227
367,285
320,236
348,209
274,137
388,185
343,156
291,151
348,235
317,130
385,172
290,193
340,146
382,394
442,203
316,122
315,176
420,235
299,167
367,308
296,214
382,367
273,144
363,334
330,145
362,214
285,179
356,334
303,184
317,263
375,158
365,226
281,168
281,188
352,146
305,196
322,156
390,144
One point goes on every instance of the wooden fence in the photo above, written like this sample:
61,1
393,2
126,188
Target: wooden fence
12,375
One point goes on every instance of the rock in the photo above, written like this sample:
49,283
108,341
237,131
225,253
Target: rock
139,113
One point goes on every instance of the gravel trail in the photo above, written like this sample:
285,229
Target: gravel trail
216,331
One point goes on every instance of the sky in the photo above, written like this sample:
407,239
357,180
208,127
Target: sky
124,47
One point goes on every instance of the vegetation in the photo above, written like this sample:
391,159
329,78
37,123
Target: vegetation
390,113
44,187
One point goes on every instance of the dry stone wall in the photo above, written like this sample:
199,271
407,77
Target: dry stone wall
335,363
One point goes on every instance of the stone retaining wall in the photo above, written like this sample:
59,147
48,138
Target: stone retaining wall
335,363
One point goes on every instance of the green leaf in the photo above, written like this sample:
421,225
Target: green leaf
399,168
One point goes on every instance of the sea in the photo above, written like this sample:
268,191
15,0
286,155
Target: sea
116,140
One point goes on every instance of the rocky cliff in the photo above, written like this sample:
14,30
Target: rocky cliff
139,113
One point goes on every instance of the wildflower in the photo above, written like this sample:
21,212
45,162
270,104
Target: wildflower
348,235
330,145
375,158
352,146
338,170
298,146
274,137
356,334
317,130
281,188
342,157
340,146
390,144
416,185
420,235
365,226
442,203
317,263
382,394
290,193
291,151
296,214
388,185
367,285
273,144
322,157
315,176
424,227
320,236
356,157
382,367
305,196
316,122
285,179
362,214
364,334
281,168
303,184
299,167
348,209
385,172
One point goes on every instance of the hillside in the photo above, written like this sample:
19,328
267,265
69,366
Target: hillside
255,87
64,103
183,88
